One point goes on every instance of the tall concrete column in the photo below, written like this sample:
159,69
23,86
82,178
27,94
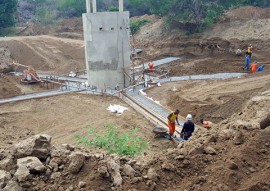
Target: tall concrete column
121,6
88,6
94,2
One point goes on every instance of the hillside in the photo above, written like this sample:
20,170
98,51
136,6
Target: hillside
231,156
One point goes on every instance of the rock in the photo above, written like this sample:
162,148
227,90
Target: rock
28,165
232,165
69,147
81,184
134,180
38,146
59,151
114,171
12,186
212,139
4,178
77,161
131,162
197,150
252,170
167,166
180,157
103,171
152,175
210,150
7,164
129,171
55,175
238,138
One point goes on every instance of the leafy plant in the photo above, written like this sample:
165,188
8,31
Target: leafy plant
136,24
113,141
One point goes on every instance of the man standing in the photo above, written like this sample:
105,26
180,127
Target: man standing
247,62
188,128
172,117
249,50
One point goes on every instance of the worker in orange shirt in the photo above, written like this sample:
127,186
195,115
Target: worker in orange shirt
206,124
253,67
151,66
172,117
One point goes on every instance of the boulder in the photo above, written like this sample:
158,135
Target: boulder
114,171
7,164
232,165
27,166
167,166
103,171
129,171
77,161
238,138
4,178
210,150
152,175
12,186
196,150
81,184
37,146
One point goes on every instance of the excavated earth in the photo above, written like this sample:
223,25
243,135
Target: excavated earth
232,155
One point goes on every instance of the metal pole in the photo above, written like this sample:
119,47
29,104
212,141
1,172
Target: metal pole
94,2
121,6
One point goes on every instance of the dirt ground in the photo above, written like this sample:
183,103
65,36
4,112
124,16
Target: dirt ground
66,116
239,107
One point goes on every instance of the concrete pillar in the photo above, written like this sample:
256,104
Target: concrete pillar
94,2
88,6
121,6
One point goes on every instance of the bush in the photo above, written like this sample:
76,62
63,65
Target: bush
136,24
113,9
113,141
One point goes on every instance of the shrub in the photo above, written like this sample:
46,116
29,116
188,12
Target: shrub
113,141
136,24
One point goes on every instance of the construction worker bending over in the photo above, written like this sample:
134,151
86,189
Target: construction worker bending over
172,117
206,124
188,128
253,67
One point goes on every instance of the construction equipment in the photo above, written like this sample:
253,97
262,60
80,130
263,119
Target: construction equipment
30,75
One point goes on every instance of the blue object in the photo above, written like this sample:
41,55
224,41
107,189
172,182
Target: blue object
260,68
247,62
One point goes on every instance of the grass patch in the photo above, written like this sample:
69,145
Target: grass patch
127,143
136,24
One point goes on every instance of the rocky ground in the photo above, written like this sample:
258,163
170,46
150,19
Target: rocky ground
232,155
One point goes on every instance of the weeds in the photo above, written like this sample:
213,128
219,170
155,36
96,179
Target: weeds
113,141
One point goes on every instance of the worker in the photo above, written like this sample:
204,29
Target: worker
253,67
206,124
247,62
151,66
172,117
260,69
238,52
188,128
249,50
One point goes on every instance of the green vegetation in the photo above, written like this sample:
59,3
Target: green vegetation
113,141
7,15
136,24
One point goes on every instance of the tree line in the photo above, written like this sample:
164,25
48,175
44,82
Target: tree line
193,15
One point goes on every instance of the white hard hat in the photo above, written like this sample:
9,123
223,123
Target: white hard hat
189,117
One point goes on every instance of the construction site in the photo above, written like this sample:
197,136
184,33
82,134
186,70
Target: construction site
55,84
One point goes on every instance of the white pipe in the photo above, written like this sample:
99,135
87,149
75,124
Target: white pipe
121,6
94,2
88,6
